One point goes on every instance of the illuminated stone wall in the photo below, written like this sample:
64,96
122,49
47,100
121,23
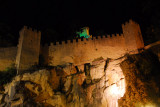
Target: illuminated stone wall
28,48
132,35
76,51
86,50
7,57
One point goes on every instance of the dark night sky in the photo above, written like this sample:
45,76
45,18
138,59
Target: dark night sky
66,16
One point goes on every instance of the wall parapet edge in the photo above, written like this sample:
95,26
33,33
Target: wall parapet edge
81,40
26,28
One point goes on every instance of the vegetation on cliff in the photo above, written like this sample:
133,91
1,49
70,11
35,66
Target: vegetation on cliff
7,75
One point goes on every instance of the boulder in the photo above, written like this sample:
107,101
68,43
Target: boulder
70,69
56,101
54,79
33,87
41,77
1,98
67,84
97,69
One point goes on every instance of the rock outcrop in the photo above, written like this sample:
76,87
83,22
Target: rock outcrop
142,75
67,86
130,81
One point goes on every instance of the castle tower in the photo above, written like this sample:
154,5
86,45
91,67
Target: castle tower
28,49
133,36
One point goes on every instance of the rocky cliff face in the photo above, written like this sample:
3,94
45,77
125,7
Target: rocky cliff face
142,73
100,83
130,81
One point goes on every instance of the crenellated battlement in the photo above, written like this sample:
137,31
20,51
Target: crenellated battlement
82,40
77,51
29,29
85,50
28,48
133,36
129,22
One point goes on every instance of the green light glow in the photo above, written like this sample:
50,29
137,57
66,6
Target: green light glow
84,33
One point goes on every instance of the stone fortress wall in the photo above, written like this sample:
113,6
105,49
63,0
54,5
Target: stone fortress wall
7,57
76,51
28,48
133,36
86,50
